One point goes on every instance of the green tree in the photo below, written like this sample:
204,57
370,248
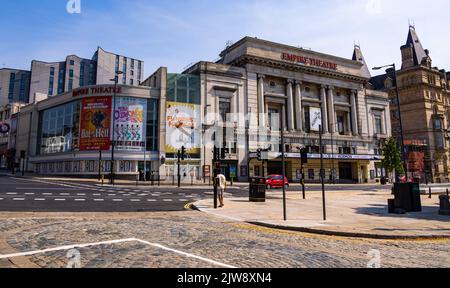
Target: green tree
392,160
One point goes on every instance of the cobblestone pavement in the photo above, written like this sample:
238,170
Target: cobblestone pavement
231,243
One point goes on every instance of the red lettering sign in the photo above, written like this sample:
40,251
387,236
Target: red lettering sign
96,90
308,61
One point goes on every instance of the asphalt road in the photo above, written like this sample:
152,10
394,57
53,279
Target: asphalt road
35,195
39,195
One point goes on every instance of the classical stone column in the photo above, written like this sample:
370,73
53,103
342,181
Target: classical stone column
331,112
323,98
353,102
298,105
261,101
283,114
290,106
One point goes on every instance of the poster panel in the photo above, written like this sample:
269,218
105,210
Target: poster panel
130,124
95,123
183,127
315,115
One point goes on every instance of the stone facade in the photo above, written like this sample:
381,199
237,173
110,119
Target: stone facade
260,79
425,101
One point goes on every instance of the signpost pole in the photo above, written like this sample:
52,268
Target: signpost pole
215,161
179,166
283,168
322,173
100,165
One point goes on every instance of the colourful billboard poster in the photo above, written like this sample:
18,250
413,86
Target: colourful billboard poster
130,124
183,127
95,124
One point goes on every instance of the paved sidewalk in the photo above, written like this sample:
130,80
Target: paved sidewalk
349,213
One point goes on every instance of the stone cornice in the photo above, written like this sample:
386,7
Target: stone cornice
249,59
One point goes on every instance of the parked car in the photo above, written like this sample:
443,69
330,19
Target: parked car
276,181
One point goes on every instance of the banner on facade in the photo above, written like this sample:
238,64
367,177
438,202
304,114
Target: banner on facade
130,124
183,127
95,124
315,118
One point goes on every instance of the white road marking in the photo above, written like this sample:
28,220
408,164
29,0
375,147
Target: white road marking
99,200
156,245
81,194
80,200
18,199
118,200
1,199
151,200
39,199
50,189
112,194
97,194
60,199
183,200
64,194
135,200
167,200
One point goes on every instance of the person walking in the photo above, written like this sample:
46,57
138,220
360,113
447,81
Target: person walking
222,185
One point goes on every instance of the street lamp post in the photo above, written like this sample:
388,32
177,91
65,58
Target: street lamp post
205,126
405,164
113,144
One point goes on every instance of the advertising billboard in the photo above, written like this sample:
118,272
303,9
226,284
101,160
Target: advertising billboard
315,118
183,127
95,124
130,124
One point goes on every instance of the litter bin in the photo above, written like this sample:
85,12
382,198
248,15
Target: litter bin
257,189
407,197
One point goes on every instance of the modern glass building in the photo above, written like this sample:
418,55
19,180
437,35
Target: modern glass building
73,134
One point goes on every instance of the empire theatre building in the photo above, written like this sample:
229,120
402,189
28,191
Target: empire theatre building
307,89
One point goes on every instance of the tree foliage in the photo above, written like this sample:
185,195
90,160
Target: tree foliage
392,157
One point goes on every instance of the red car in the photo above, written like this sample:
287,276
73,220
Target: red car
276,181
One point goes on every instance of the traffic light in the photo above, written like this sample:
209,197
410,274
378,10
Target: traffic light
304,155
183,153
216,153
259,154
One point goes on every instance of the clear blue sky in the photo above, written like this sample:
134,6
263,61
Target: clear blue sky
176,33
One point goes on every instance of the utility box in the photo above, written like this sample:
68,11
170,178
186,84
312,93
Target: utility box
407,197
257,189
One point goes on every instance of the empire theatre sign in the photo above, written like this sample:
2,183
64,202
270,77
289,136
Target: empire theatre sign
308,61
96,90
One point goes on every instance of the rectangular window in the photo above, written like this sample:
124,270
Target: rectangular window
12,82
341,124
224,108
131,82
139,70
307,119
81,74
70,84
274,119
61,80
51,81
378,124
71,73
22,96
72,62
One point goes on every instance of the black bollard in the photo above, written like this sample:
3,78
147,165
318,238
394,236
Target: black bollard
429,189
